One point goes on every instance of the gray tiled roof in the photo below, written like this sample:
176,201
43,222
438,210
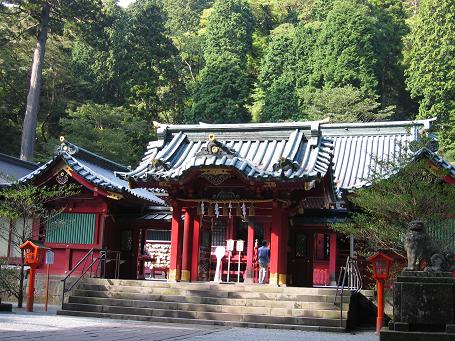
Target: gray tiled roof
99,172
280,152
358,147
12,168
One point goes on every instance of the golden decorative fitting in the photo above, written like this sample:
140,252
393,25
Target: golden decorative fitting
212,137
215,171
215,149
62,138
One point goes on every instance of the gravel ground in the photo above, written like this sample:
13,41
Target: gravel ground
48,326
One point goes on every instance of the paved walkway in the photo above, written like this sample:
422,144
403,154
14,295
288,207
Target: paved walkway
48,326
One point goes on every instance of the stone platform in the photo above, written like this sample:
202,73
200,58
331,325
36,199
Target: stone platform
393,335
424,307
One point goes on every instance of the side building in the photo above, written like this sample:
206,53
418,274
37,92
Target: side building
104,217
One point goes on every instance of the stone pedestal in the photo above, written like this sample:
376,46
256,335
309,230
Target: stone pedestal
423,302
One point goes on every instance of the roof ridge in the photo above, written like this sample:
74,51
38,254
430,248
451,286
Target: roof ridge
425,122
162,128
73,149
18,161
98,175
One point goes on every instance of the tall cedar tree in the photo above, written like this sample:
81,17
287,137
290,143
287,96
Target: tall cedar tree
430,60
345,53
277,77
49,15
154,84
222,90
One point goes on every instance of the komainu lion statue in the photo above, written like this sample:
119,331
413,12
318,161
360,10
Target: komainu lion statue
418,246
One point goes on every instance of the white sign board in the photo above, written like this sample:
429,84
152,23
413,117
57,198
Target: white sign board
49,257
240,244
230,244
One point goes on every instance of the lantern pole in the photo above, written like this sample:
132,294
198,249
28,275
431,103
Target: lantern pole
380,313
30,290
381,266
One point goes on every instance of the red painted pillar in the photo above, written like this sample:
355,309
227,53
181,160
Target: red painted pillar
283,251
195,249
187,243
333,258
249,254
176,232
277,221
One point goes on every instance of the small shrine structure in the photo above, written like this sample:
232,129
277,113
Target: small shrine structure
105,215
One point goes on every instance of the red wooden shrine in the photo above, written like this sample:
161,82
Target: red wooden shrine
244,182
104,215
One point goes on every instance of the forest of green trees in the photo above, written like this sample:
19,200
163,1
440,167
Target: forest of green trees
109,72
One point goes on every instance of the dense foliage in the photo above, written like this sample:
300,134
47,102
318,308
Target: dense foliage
431,65
187,61
401,191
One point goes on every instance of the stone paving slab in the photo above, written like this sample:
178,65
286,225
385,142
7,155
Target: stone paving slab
40,325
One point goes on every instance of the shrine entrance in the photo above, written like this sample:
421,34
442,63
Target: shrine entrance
300,259
216,232
313,255
239,183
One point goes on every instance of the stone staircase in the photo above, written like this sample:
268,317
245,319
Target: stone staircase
239,305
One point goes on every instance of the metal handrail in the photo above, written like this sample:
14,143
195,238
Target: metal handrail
84,271
100,268
351,273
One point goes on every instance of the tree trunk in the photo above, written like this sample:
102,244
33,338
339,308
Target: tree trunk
20,297
31,112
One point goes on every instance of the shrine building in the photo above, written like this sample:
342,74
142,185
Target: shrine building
203,186
280,182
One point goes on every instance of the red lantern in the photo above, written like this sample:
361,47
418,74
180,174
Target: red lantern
34,252
381,267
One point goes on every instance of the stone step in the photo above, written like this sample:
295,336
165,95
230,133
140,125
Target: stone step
6,307
314,328
211,293
210,286
202,315
310,302
331,312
